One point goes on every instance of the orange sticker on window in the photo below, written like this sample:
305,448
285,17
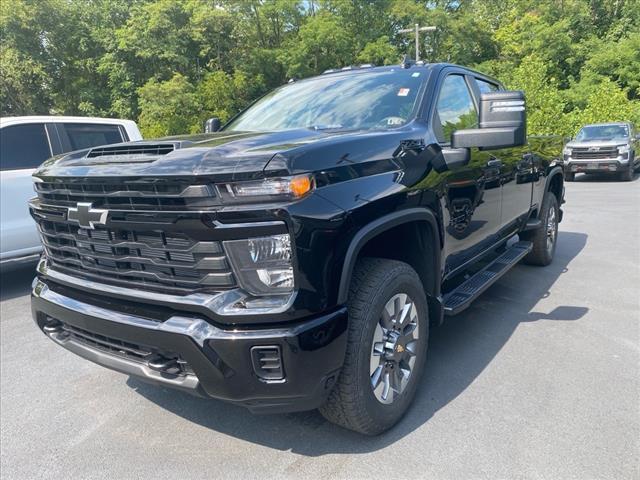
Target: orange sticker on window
403,92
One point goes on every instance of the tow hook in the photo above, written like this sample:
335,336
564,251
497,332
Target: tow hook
164,364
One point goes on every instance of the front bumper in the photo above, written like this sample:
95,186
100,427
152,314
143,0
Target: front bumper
200,358
617,164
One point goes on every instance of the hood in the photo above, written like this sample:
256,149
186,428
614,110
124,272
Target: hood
227,155
598,143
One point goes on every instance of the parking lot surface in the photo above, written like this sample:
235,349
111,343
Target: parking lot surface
540,378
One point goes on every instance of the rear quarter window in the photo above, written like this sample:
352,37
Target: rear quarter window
87,135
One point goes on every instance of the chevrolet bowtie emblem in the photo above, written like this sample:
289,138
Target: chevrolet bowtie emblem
87,217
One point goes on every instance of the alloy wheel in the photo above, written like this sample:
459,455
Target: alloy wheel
394,348
552,228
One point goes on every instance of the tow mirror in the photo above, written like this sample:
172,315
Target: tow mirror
503,123
212,125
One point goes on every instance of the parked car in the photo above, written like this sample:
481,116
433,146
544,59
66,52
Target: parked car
298,258
26,142
604,147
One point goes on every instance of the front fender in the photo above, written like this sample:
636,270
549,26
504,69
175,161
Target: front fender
378,226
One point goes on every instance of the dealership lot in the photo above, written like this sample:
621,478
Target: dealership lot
539,378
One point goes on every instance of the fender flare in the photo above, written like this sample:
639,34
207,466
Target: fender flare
378,226
557,170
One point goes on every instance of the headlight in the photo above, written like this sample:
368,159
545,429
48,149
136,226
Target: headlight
623,149
266,190
262,265
566,151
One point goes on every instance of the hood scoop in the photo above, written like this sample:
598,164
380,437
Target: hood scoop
130,153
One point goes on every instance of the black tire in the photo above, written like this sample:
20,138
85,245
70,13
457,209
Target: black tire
627,174
569,176
542,253
352,403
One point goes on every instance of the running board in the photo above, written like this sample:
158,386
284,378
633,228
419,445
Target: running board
462,296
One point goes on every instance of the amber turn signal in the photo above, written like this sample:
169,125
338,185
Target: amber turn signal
300,185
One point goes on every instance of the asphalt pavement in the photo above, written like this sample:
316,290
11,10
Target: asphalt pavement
540,378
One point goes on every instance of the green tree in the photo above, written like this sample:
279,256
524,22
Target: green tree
379,52
22,85
607,103
321,44
545,115
168,107
223,95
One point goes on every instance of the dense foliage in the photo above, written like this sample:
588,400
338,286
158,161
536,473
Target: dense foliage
170,64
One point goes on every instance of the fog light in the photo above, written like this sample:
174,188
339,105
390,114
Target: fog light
613,167
574,168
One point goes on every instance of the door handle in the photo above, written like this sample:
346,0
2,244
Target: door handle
494,163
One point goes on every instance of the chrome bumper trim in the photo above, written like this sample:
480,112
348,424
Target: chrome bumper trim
198,330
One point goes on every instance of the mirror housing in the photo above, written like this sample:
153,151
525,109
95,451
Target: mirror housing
212,125
503,123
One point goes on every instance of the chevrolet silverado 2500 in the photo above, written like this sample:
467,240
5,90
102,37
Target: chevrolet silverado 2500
298,257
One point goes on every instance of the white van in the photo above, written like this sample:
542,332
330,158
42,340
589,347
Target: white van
26,142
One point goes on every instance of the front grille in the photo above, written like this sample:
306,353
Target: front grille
584,153
135,257
138,194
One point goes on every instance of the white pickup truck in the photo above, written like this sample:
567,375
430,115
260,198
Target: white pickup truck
26,142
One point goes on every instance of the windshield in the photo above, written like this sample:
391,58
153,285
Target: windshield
602,132
371,100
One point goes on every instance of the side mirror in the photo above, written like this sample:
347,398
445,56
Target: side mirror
503,123
212,125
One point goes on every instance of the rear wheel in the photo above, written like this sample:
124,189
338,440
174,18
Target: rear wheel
387,344
544,238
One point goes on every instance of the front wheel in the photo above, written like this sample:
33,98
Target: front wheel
387,344
544,238
627,174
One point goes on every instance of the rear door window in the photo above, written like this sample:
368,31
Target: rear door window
23,146
87,135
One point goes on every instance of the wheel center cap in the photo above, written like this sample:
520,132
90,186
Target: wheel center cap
395,346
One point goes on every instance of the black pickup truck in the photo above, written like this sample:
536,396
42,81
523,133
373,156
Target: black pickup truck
297,257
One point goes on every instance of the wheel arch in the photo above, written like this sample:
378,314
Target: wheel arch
420,247
555,184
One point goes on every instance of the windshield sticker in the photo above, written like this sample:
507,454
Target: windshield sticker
415,74
403,92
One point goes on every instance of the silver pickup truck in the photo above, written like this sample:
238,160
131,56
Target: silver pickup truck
606,147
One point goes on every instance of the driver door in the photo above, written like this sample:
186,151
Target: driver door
472,192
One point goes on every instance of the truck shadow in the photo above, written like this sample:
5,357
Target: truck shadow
602,178
458,353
